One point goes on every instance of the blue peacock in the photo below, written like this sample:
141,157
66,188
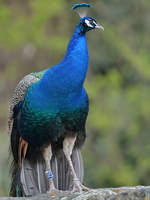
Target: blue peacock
48,116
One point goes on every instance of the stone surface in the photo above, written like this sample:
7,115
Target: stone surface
123,193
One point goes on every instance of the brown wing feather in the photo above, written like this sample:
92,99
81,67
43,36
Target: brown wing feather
18,96
23,146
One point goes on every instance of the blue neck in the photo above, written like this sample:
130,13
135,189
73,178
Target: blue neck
68,76
76,42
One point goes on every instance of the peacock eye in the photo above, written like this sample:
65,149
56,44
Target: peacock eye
90,23
93,23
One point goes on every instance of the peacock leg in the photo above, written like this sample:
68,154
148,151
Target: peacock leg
68,145
47,154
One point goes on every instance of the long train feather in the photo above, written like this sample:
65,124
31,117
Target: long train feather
38,175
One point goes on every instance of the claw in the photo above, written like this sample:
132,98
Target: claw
23,146
78,187
53,192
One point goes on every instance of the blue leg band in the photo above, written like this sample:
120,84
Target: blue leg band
49,174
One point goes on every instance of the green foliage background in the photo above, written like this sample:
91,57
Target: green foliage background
34,35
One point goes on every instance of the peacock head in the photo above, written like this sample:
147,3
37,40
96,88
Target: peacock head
86,23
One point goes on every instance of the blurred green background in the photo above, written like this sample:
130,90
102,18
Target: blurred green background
34,35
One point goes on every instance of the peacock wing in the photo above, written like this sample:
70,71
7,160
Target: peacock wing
14,112
19,94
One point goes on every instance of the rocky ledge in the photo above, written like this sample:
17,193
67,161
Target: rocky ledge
122,193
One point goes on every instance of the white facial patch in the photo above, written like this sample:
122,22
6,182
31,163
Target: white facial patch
88,23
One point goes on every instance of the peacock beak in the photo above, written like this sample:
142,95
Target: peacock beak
99,27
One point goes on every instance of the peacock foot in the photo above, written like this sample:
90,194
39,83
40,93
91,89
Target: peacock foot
78,187
53,192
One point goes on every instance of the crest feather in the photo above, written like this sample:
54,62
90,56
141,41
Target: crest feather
81,9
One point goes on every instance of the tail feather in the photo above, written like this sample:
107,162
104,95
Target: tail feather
38,177
30,179
16,187
33,177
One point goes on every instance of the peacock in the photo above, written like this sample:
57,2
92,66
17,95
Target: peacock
47,120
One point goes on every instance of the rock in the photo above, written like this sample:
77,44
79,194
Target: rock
122,193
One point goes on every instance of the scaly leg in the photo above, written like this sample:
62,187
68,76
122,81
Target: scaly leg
68,145
47,154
